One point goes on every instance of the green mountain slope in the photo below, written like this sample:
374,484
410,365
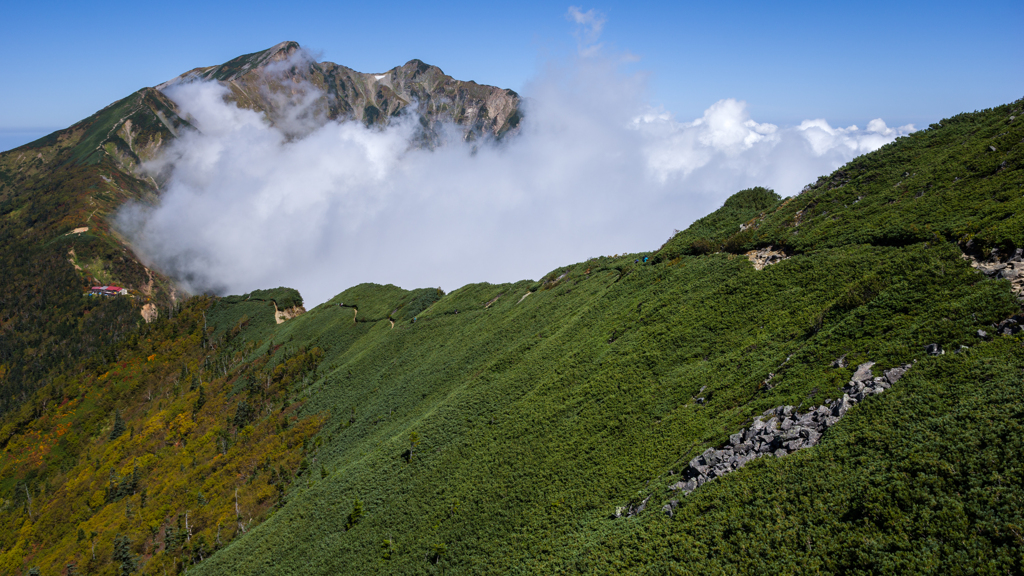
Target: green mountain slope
56,241
502,428
502,438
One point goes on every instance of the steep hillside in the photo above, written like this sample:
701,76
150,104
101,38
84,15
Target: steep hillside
505,428
134,458
597,420
578,423
58,196
56,240
959,181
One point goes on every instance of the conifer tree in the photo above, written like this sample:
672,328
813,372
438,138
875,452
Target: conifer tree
123,554
355,515
119,426
200,401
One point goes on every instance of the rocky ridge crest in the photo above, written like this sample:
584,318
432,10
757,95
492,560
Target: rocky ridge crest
269,80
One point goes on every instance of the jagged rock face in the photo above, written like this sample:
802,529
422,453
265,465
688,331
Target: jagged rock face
269,80
150,121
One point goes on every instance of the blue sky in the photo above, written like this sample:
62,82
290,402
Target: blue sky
906,62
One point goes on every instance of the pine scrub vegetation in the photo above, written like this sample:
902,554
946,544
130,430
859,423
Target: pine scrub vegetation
574,424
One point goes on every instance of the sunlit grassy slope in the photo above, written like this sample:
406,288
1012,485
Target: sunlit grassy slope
498,431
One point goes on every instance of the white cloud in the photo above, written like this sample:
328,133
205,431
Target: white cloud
589,26
823,138
250,204
727,148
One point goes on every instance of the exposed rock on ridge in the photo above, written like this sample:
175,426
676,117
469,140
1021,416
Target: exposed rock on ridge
280,316
777,432
765,257
998,266
266,80
782,430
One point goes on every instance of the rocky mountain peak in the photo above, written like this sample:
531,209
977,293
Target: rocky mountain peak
236,68
374,99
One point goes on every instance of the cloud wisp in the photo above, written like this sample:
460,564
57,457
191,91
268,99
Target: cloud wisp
325,205
589,26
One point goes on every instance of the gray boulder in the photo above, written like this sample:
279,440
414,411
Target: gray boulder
812,436
863,371
841,406
790,434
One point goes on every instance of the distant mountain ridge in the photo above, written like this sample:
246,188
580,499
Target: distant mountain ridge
370,98
80,176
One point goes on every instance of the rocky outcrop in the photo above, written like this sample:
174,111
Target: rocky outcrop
280,316
149,312
1001,266
1009,327
782,430
765,257
779,431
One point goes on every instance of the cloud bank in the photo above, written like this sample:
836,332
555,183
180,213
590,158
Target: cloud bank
321,205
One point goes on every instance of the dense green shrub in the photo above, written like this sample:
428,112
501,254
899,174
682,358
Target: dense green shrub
707,234
283,297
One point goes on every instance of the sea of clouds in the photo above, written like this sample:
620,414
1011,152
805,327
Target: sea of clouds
323,205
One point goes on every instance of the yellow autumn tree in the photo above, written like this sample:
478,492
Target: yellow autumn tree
180,427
